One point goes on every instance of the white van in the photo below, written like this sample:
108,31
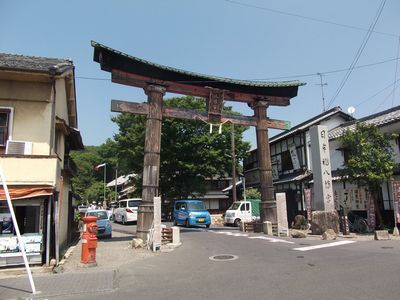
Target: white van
242,211
127,210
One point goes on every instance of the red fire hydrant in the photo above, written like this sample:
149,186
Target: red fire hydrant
89,240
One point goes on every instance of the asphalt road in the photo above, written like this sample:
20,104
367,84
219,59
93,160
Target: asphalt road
263,268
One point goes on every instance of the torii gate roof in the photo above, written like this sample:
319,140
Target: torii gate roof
130,70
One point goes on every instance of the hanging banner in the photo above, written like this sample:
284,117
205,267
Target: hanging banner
370,211
307,198
293,155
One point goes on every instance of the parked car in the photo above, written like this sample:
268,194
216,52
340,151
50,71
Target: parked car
242,211
127,210
103,223
191,213
82,208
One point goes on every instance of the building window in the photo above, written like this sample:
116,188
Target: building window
287,164
28,218
4,125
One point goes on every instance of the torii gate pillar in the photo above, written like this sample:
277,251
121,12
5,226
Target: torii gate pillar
151,164
268,204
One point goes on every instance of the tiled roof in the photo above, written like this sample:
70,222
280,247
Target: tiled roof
131,63
313,121
33,64
379,119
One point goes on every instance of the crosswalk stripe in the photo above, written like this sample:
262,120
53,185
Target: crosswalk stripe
323,245
272,240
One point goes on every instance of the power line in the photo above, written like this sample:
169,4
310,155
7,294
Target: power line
395,72
377,93
280,77
387,97
306,17
329,72
359,52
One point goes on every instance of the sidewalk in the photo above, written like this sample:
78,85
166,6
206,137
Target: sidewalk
71,277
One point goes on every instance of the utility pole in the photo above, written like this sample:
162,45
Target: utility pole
233,163
322,91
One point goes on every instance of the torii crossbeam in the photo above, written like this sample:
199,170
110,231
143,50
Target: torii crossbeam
157,79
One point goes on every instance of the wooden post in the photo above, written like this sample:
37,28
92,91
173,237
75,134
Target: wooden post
151,165
268,203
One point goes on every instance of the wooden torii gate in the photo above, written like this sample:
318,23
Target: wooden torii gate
156,80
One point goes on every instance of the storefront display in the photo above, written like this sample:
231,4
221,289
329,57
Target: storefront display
29,216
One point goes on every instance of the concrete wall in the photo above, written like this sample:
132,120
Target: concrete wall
30,171
31,112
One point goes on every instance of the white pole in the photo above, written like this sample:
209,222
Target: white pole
395,208
104,192
116,182
14,219
244,195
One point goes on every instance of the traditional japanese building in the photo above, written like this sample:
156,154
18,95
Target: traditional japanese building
38,129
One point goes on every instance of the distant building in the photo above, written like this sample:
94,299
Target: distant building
292,168
123,185
350,195
291,157
38,129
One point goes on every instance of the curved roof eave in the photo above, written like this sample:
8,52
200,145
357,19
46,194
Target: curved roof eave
110,59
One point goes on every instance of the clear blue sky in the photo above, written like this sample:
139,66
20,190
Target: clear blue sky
241,39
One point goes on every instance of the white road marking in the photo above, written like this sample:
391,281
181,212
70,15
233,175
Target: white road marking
324,245
231,233
272,240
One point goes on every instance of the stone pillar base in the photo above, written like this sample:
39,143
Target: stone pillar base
176,237
323,220
267,228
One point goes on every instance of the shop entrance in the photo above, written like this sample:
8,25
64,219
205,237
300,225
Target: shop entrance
28,218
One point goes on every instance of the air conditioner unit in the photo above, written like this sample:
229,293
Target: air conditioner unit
19,147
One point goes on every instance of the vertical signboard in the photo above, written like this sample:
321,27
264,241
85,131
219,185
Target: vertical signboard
281,213
370,210
293,155
396,200
307,199
157,224
321,167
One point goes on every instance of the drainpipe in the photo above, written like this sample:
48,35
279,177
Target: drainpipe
50,200
52,72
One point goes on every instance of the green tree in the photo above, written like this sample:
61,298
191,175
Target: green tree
88,183
370,160
252,193
189,153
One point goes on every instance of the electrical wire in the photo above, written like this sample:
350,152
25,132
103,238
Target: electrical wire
395,72
329,72
305,17
387,97
280,77
359,52
377,93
